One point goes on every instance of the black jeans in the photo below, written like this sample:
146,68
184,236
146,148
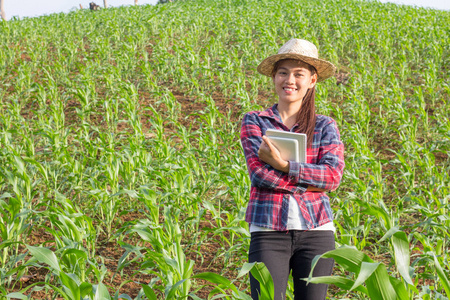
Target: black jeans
283,251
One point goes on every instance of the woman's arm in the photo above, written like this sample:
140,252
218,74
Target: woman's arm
323,176
262,174
270,154
327,172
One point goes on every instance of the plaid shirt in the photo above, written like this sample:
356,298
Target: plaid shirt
269,195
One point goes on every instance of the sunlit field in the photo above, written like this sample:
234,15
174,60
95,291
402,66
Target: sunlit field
121,169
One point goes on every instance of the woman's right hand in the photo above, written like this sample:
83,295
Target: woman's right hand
269,154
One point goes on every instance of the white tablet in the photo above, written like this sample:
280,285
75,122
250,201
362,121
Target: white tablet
288,147
299,137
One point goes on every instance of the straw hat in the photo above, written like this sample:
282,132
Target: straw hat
300,50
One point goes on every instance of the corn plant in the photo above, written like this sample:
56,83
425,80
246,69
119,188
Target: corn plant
378,283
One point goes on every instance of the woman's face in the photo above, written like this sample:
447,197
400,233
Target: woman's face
292,80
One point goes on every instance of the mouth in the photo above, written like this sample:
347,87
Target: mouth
287,89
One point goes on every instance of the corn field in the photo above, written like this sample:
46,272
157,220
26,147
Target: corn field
121,170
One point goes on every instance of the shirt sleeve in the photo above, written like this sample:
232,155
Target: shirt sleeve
263,175
327,173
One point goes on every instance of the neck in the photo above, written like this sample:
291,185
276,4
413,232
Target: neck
288,113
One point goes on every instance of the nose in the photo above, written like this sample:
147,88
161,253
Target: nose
290,78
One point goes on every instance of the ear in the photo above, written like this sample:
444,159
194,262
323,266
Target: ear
313,80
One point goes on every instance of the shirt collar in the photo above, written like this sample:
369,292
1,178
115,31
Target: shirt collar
273,113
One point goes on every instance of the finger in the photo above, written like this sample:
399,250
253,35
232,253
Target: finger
267,141
271,146
263,149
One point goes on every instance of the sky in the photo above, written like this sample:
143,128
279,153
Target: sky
438,4
33,8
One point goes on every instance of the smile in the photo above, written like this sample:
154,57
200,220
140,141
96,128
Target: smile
289,89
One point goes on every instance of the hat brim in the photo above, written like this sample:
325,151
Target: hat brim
324,68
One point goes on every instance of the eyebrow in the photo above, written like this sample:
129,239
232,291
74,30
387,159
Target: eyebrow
297,69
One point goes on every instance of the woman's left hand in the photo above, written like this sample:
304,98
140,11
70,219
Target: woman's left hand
269,154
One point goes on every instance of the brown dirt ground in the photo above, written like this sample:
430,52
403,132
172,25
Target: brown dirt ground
127,281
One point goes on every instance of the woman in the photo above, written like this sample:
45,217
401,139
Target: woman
289,211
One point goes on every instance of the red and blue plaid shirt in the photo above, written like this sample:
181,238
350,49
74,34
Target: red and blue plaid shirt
270,189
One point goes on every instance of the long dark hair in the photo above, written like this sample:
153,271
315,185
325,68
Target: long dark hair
306,117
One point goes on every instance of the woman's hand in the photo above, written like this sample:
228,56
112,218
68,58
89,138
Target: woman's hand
315,189
269,154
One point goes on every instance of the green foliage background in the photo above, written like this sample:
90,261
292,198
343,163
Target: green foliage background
136,110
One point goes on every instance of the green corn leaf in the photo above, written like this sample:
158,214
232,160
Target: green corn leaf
38,165
380,213
442,277
194,297
218,296
85,289
170,291
245,269
340,282
379,285
20,164
144,234
70,285
217,292
217,279
262,274
402,257
131,193
399,287
236,229
101,292
16,295
365,272
46,256
71,227
241,295
389,233
148,292
78,253
348,257
5,195
171,262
